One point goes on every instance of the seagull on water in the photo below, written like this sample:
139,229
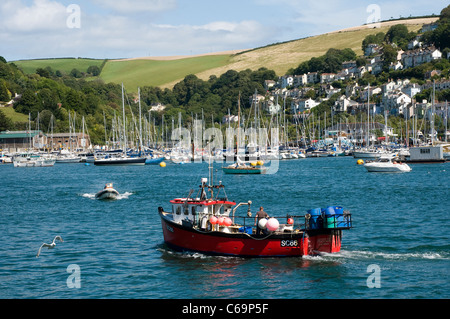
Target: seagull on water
50,246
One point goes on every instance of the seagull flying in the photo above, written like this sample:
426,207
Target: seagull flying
50,246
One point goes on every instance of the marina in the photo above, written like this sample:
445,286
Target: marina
399,223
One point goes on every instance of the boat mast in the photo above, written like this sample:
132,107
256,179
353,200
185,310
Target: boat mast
124,129
432,114
446,120
140,123
368,116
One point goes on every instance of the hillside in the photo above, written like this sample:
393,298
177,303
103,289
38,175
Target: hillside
165,72
141,72
64,64
283,56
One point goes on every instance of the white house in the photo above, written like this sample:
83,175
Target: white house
365,92
396,66
394,85
417,57
302,105
286,80
371,49
230,119
271,106
327,77
157,107
344,104
300,80
312,77
396,102
268,84
414,44
411,89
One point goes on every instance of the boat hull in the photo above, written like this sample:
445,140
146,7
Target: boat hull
68,160
229,170
314,242
38,163
366,155
120,161
107,194
393,168
154,161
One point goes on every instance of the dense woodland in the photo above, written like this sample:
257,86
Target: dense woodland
52,94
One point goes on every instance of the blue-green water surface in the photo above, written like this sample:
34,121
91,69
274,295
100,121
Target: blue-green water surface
401,229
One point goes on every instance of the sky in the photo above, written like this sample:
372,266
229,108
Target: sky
100,29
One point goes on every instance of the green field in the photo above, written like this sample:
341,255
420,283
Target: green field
139,73
64,65
13,115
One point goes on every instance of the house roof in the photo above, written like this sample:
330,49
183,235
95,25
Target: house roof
19,134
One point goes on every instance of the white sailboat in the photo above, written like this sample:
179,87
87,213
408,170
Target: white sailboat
433,153
369,152
124,158
32,160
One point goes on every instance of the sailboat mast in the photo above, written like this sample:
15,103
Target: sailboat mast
124,129
140,120
432,113
368,115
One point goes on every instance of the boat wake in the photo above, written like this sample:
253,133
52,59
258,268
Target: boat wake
125,195
362,255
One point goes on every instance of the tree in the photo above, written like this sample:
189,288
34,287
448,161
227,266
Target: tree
396,32
399,35
373,39
5,122
49,99
76,73
389,56
28,102
5,95
43,72
94,70
445,15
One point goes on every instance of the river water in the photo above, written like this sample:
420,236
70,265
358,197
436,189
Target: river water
399,247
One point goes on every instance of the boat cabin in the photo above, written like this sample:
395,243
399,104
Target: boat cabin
197,211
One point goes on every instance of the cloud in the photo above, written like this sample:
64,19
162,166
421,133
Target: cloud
42,15
217,36
138,5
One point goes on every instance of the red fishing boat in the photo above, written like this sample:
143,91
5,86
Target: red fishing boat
209,224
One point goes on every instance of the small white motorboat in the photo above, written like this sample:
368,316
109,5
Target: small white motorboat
386,164
107,193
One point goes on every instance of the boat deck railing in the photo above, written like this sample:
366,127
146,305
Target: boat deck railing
288,222
302,222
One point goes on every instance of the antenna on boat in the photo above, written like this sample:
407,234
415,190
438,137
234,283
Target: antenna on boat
211,171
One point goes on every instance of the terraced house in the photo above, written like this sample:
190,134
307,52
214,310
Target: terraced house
417,57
